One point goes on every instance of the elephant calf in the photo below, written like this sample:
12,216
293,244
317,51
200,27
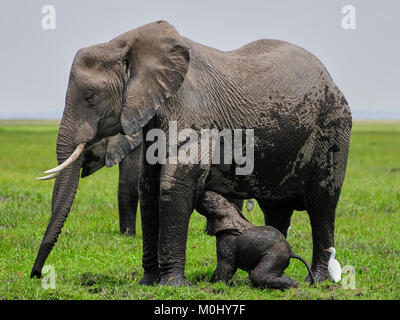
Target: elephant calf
261,251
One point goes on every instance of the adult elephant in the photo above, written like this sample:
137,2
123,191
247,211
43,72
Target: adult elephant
150,76
124,150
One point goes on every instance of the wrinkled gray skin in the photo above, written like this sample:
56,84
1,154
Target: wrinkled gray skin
152,75
108,152
262,252
118,149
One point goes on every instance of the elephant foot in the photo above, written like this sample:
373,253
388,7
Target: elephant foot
273,281
126,231
175,280
214,279
282,283
218,277
320,273
150,279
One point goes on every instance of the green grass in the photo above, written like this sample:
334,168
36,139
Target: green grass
93,261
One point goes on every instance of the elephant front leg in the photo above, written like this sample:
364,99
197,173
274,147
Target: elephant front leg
175,207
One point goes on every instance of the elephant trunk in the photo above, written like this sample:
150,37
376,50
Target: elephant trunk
64,192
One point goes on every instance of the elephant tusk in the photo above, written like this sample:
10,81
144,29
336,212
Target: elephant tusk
72,158
49,177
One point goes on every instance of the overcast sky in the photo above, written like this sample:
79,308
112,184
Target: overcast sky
364,63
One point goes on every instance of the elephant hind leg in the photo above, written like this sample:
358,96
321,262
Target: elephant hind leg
323,191
321,210
127,207
128,194
269,273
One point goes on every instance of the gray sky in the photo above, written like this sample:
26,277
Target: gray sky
364,62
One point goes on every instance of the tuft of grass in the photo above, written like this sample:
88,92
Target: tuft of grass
93,261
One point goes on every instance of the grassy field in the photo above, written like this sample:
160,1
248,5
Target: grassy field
93,261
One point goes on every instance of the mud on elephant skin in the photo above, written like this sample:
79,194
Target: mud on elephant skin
123,150
261,251
150,76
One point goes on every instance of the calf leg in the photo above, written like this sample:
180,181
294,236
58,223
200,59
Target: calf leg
226,262
269,273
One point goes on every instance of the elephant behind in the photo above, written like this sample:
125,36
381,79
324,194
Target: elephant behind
123,150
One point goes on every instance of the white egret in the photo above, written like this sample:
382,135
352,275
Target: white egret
334,269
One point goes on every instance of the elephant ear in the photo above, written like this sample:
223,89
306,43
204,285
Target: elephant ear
233,221
119,146
159,61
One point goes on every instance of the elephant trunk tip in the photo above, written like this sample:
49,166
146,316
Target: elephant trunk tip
35,273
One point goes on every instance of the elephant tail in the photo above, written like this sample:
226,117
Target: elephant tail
295,256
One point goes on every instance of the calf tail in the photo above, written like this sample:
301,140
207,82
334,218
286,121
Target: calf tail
307,266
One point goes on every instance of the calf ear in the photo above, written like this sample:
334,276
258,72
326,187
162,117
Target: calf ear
119,146
158,61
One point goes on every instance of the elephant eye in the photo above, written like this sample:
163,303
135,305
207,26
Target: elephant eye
90,98
127,67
